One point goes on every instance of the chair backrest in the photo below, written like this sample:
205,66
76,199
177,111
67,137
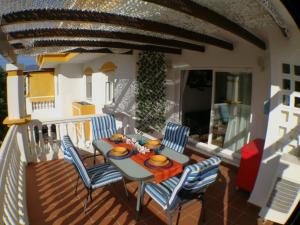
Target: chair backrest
77,162
103,126
196,178
176,136
66,143
224,112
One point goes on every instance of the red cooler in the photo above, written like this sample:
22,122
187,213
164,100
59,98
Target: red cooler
249,165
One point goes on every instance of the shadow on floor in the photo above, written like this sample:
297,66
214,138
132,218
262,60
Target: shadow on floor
51,199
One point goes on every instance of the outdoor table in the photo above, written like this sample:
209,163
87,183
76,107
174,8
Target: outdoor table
131,169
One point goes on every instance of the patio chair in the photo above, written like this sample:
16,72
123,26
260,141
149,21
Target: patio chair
66,143
174,192
103,127
176,136
94,177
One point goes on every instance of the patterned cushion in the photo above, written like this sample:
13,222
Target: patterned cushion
194,178
162,192
176,136
103,174
66,143
79,166
103,126
94,177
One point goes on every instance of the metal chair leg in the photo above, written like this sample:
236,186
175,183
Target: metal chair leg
86,201
94,155
169,217
77,184
126,192
178,217
91,191
203,209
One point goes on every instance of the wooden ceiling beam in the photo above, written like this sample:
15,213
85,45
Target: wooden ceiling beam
105,44
67,15
6,50
193,9
59,32
100,50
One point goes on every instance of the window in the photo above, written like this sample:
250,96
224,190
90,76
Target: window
109,92
232,112
88,87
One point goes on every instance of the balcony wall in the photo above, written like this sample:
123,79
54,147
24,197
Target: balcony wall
13,161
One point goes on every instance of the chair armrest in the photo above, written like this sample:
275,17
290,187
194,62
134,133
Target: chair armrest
84,157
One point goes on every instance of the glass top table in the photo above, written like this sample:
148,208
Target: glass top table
132,170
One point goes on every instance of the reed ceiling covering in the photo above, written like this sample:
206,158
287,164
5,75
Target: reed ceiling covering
194,24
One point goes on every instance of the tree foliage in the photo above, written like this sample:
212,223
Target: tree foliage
3,104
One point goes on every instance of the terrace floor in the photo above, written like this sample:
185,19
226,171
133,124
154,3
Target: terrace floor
51,200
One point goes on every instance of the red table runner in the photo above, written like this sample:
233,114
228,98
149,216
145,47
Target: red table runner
160,174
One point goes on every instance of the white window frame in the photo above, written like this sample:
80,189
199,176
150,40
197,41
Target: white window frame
109,92
89,87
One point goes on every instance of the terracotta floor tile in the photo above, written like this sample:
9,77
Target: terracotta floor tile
52,200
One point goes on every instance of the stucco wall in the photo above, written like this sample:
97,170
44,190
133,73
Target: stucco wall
69,88
282,50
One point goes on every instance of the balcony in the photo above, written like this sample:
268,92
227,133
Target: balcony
37,186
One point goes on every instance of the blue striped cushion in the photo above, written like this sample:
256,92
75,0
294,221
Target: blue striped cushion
159,191
79,165
194,177
202,174
176,136
66,143
103,174
103,126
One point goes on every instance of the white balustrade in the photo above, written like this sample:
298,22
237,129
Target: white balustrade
46,144
46,104
12,181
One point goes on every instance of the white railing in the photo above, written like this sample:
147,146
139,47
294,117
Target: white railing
46,105
13,208
33,142
40,103
45,137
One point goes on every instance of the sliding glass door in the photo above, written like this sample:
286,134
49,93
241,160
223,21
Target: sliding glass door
231,110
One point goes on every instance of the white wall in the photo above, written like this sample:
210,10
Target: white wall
282,50
125,86
70,88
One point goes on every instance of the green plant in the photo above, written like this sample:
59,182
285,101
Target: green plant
3,104
151,91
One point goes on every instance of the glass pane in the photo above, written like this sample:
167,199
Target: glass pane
297,70
297,86
286,84
286,100
232,110
88,86
297,102
286,68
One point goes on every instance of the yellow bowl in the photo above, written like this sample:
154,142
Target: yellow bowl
117,136
159,158
119,149
155,163
119,153
153,142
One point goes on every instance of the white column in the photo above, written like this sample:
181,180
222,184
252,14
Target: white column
16,107
15,92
